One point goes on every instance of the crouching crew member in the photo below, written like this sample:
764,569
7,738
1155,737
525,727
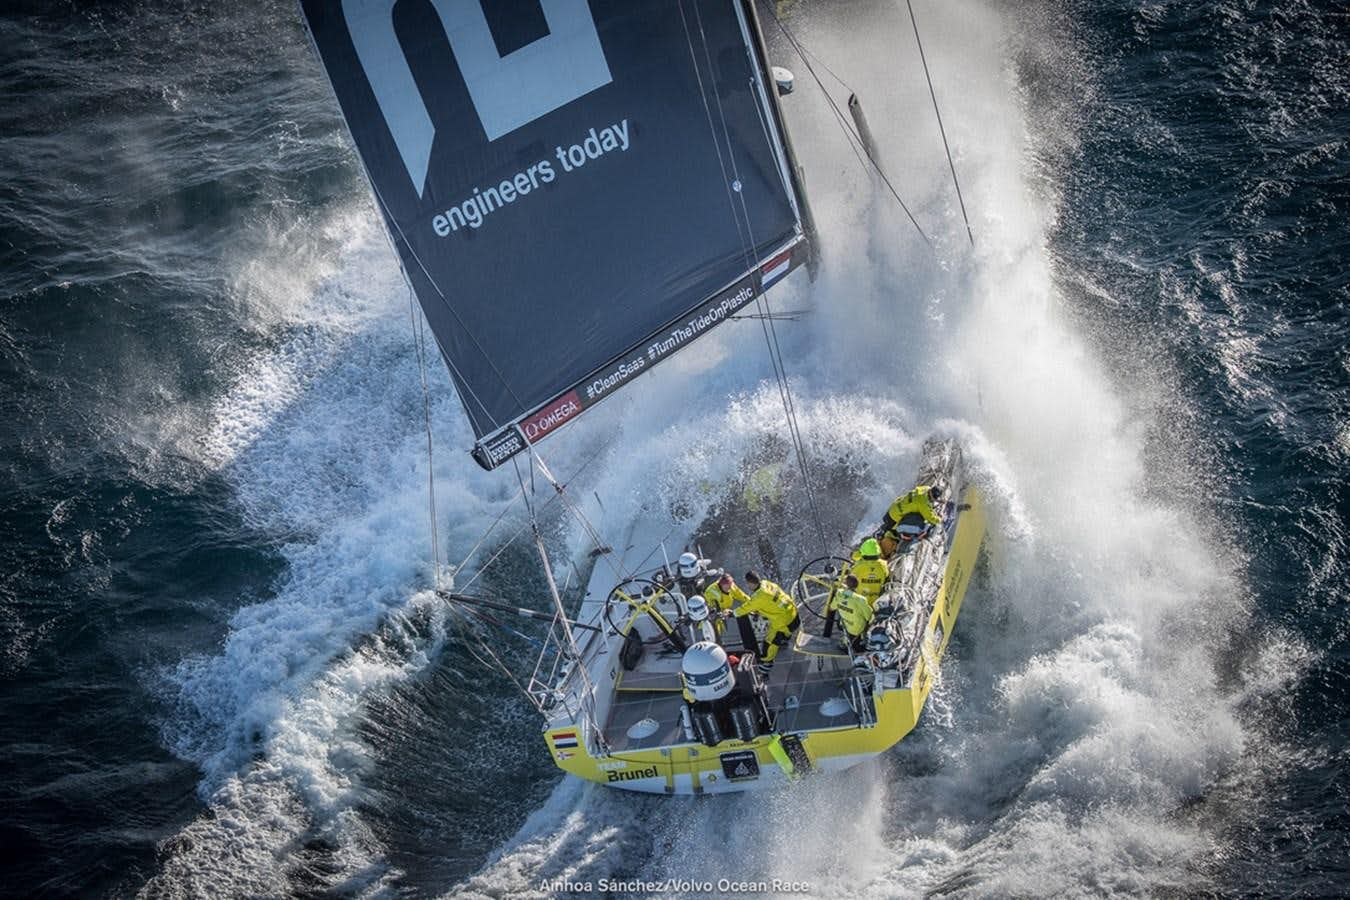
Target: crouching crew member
870,569
854,609
777,608
722,595
910,517
721,704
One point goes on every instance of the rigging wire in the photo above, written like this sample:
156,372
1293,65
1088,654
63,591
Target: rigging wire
500,665
520,531
460,382
588,710
941,130
767,316
560,621
489,618
734,184
787,315
486,534
419,341
534,453
529,507
802,54
459,379
842,83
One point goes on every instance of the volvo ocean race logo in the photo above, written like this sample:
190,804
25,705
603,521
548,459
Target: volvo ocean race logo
507,91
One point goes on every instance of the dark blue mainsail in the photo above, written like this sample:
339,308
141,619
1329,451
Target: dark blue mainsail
576,190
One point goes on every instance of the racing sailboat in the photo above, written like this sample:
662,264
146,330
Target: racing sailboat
577,191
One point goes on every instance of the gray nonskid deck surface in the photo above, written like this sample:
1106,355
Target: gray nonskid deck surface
810,680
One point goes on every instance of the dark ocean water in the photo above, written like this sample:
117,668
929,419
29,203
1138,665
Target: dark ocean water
220,673
1211,193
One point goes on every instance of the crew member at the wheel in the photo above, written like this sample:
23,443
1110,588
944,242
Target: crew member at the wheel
720,704
777,608
855,609
693,575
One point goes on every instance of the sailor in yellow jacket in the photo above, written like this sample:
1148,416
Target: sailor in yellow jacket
722,595
777,608
871,570
917,505
854,609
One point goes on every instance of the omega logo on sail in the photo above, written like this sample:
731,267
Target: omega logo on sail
548,419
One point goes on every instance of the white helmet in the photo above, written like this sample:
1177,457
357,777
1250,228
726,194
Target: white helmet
707,673
690,565
698,608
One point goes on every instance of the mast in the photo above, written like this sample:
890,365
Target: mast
796,173
561,621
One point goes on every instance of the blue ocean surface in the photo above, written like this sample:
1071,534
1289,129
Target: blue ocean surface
222,671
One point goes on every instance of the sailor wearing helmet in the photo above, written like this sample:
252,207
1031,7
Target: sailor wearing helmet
871,570
697,624
692,575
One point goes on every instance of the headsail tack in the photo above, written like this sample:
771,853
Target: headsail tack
575,190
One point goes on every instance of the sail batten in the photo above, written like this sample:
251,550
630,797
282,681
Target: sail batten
576,189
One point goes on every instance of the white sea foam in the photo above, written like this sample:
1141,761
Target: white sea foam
1079,707
323,441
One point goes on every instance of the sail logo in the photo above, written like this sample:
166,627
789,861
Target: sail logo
499,449
548,419
507,92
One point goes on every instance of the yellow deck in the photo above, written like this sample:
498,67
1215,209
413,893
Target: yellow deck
686,768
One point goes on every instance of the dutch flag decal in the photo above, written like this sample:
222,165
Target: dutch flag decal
773,269
564,740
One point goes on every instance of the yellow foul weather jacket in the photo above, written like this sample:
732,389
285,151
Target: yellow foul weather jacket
915,501
871,575
853,608
720,602
771,602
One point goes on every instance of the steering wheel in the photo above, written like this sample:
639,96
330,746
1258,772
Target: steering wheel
817,581
636,592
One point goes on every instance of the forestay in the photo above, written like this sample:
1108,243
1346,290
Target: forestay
575,190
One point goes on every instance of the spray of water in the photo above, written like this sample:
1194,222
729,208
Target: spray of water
1078,710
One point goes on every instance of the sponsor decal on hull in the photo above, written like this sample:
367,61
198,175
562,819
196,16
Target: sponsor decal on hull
617,775
743,765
